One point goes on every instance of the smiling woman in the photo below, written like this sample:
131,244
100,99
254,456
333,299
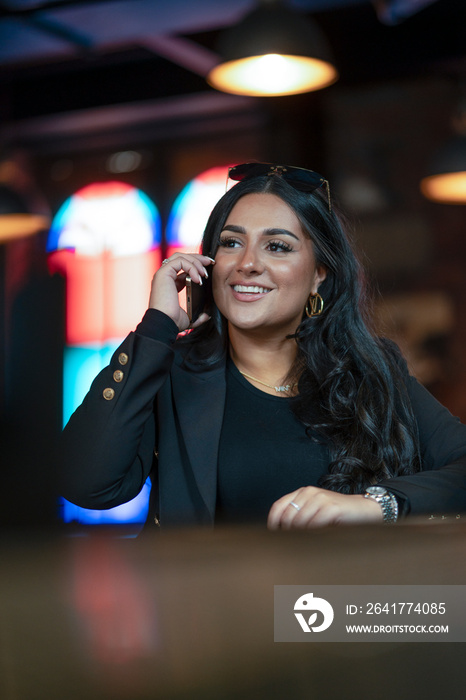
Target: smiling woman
279,405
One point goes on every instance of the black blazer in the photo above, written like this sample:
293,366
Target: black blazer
151,412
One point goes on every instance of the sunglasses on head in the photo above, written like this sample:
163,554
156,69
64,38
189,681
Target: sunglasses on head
299,178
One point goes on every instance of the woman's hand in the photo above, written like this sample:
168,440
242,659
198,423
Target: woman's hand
319,507
170,279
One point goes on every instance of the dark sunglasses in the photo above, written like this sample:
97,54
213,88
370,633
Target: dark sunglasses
299,178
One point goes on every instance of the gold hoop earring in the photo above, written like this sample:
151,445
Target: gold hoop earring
315,305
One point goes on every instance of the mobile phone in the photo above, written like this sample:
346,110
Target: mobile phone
194,299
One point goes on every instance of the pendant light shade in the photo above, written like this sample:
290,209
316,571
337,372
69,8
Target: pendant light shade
273,51
446,181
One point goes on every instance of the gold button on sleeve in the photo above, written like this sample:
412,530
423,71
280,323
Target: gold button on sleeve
108,393
123,358
118,375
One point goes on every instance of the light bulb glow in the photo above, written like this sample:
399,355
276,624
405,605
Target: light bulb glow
272,74
14,226
449,188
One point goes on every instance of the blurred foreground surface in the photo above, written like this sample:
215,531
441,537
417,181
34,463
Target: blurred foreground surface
189,614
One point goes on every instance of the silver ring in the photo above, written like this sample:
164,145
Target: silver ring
165,261
295,505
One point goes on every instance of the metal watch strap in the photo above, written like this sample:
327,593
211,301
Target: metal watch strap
386,500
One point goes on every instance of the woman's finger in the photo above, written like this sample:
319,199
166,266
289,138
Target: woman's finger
202,318
296,514
170,279
194,265
278,509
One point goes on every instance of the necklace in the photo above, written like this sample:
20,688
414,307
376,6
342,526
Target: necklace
282,387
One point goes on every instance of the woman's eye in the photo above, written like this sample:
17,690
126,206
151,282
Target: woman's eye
228,242
279,247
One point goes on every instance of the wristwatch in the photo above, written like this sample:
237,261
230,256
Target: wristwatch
386,500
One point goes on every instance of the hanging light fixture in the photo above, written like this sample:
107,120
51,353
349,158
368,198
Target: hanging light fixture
446,181
16,220
273,51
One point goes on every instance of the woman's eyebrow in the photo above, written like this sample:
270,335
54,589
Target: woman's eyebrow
266,232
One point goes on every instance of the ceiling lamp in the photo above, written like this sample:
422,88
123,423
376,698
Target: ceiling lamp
15,219
446,181
273,51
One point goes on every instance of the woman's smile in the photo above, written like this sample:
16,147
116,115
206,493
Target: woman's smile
249,292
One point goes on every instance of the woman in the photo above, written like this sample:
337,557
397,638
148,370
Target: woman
279,405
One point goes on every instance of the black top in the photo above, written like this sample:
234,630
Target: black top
166,403
264,452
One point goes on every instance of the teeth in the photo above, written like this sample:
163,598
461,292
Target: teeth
250,289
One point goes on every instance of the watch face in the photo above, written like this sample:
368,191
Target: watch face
376,490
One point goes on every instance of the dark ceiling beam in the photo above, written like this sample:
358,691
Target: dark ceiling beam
20,11
183,52
60,31
101,119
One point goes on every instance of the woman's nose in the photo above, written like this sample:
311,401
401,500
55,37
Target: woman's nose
250,260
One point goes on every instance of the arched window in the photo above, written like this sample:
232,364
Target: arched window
192,208
105,240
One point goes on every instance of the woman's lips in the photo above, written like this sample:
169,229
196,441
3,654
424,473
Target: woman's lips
249,292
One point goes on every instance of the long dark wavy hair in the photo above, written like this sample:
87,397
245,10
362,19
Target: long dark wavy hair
351,388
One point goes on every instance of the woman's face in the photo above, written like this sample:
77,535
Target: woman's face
265,266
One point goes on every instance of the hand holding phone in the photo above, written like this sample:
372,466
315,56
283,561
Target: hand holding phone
170,280
194,300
